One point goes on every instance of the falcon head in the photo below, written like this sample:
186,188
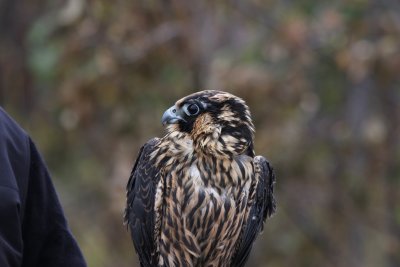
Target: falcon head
217,122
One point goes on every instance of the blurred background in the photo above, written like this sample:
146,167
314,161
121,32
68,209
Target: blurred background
90,80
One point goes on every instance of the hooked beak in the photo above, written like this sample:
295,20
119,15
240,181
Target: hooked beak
172,115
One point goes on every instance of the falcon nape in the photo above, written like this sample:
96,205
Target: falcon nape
199,196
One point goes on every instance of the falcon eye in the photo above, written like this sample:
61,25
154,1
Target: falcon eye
192,110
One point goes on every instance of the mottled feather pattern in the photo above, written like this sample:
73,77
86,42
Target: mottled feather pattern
205,209
198,196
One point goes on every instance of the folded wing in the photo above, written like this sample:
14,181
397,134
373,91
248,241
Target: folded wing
262,208
139,213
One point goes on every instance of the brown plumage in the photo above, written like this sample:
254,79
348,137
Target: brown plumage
199,196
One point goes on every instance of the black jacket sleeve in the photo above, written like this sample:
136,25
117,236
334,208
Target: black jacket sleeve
33,229
14,167
47,240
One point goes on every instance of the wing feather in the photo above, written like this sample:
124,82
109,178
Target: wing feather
139,213
263,207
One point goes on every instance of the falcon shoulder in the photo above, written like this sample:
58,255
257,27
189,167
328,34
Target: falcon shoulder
263,207
139,213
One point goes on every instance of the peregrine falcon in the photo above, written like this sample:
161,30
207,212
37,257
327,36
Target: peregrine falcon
199,196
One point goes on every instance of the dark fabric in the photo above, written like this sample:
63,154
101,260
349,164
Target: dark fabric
33,229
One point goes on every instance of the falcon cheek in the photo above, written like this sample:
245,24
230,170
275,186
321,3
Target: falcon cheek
203,125
205,135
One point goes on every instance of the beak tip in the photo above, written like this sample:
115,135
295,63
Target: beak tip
165,118
171,116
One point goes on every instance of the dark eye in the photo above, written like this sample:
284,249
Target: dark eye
192,110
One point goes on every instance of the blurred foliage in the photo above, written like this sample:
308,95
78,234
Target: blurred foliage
89,80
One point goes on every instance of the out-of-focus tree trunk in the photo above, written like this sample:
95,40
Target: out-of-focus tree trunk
15,77
357,167
390,104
